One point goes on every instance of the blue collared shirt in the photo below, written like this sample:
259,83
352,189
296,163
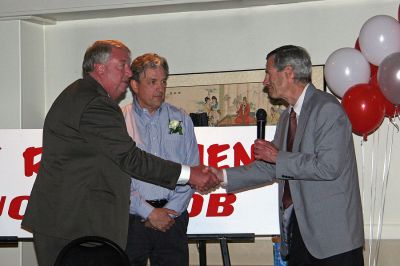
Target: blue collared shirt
152,134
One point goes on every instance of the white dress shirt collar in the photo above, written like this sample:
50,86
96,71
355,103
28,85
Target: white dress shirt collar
299,104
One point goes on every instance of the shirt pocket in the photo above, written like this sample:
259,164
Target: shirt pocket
174,147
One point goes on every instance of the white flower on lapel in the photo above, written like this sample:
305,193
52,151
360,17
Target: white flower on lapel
175,127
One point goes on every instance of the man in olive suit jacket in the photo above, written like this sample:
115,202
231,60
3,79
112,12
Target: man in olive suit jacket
83,185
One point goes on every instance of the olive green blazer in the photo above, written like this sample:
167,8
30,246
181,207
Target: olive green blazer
83,184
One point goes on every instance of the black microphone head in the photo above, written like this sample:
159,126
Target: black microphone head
261,114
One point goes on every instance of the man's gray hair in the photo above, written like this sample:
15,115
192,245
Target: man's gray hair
295,56
98,53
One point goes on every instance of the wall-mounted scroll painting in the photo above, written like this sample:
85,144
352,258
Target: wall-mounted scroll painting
228,98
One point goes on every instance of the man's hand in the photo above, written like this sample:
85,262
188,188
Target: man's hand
202,178
218,172
265,150
160,219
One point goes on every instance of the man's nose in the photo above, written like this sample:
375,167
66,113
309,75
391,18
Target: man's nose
160,86
266,81
128,71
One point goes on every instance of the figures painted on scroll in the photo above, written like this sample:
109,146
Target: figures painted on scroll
211,107
214,113
243,116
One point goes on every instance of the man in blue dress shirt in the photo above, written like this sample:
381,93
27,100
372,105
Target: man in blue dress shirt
166,131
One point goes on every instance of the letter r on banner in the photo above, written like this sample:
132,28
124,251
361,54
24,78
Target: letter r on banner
29,154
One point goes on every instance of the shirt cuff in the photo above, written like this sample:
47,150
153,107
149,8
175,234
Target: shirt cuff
225,182
145,210
184,176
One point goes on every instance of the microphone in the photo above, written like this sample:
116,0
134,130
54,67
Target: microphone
261,116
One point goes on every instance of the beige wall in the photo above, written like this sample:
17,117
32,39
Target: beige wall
10,92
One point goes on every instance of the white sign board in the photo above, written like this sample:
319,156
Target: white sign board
17,176
254,211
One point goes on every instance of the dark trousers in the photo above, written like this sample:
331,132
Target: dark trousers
163,249
299,255
47,248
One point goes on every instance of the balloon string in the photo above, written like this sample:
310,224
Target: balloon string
376,199
385,180
370,214
373,195
376,144
362,172
393,121
363,188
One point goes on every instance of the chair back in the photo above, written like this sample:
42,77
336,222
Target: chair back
92,251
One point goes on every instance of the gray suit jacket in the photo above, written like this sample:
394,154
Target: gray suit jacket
322,174
83,184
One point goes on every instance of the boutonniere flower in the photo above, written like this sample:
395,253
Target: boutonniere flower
175,127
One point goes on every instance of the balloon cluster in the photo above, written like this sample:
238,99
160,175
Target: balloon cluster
367,77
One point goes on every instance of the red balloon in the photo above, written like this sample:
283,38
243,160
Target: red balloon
374,69
357,45
365,108
390,108
374,81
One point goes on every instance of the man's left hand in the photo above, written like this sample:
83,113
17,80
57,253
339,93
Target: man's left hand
265,150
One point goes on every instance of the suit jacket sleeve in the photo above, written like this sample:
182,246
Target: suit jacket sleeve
250,176
103,124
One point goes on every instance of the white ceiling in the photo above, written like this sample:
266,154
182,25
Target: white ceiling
152,8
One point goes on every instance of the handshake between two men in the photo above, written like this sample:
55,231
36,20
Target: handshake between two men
205,178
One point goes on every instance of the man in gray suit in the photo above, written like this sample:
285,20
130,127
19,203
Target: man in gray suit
83,184
320,207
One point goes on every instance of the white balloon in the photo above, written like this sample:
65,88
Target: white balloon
344,68
379,37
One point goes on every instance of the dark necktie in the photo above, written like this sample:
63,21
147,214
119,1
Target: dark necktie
287,197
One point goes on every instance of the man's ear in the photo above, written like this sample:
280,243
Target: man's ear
289,72
134,86
99,68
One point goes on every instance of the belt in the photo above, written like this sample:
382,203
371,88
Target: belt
157,203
